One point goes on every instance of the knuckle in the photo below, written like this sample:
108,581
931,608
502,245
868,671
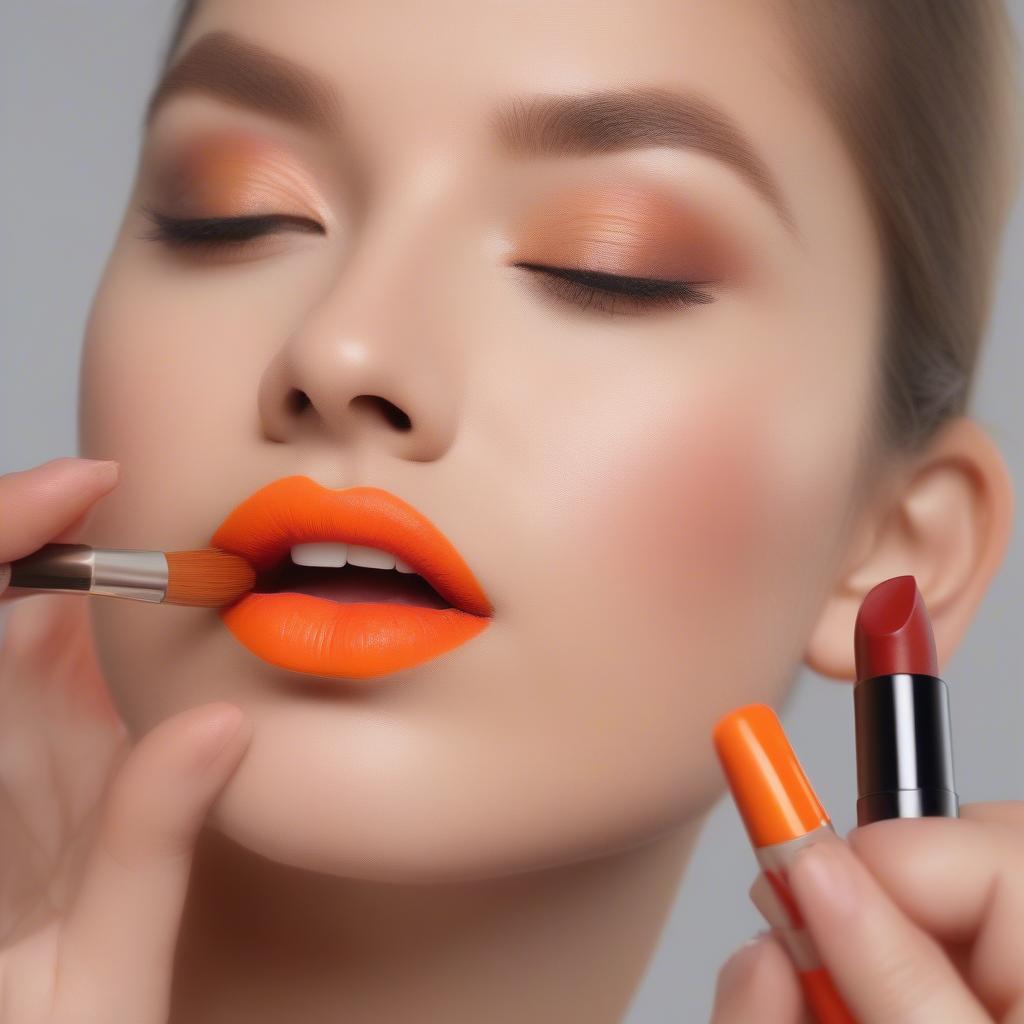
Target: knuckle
907,989
122,836
1007,812
133,850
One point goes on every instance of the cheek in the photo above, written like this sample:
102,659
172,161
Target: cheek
700,503
151,355
727,521
173,350
691,508
172,358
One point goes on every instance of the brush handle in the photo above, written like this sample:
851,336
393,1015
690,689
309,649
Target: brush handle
79,568
5,576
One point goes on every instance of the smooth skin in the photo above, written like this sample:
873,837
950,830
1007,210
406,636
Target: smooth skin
496,835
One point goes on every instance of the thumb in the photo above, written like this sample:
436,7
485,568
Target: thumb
118,939
758,983
884,966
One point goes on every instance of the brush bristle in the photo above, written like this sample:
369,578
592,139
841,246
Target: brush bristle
207,578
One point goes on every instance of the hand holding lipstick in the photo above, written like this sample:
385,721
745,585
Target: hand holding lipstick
916,921
910,921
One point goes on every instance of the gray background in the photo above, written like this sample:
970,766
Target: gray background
75,75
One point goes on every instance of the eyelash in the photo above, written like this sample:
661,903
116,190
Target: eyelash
220,232
596,290
586,289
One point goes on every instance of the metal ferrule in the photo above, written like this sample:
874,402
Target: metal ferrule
73,568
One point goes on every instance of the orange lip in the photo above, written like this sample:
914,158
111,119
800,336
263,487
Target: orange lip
310,634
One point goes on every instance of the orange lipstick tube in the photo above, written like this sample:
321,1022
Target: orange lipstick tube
782,814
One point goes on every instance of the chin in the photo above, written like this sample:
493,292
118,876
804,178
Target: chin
431,830
413,860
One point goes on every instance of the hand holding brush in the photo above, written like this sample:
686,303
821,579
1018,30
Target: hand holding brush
107,952
206,577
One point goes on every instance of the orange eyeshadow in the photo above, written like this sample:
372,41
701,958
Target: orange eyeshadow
236,177
627,230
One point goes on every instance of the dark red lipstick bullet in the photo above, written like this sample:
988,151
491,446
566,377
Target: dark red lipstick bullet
901,709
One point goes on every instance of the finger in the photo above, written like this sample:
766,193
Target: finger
119,936
884,966
44,502
757,983
59,734
1006,812
26,977
49,637
977,864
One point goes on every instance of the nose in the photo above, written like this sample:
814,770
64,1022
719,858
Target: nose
365,368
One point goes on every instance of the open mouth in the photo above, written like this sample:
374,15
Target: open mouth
354,619
349,583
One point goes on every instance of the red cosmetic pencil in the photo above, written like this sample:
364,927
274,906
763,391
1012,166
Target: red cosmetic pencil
901,710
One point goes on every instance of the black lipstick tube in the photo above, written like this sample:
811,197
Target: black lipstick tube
904,748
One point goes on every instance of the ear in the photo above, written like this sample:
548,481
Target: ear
946,521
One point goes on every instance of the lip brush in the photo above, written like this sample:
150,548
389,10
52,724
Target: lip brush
205,578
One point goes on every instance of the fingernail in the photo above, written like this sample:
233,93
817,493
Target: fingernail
106,470
822,873
103,469
767,902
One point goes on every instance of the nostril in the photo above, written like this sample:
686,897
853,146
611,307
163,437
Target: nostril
389,410
396,417
297,400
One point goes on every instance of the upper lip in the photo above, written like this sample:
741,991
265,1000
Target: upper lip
298,510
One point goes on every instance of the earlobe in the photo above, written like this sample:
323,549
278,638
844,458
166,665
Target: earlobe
948,524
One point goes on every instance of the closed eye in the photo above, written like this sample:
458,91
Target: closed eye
586,289
221,232
615,293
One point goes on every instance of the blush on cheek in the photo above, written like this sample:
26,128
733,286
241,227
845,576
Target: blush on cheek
700,537
698,508
733,525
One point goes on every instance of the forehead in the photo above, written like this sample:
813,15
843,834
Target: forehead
425,59
600,26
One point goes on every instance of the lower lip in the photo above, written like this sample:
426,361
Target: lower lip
303,633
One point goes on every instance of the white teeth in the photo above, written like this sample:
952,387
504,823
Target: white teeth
332,555
327,555
370,558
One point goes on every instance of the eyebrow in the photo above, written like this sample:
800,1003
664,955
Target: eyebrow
247,75
605,122
232,69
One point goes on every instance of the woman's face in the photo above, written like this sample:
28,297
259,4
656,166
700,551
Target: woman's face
653,494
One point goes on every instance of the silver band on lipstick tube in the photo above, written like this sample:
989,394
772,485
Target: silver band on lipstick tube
139,575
